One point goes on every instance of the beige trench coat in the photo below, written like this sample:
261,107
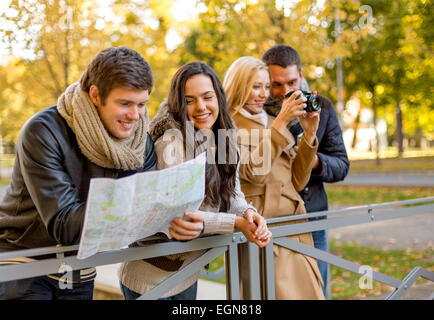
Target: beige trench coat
271,186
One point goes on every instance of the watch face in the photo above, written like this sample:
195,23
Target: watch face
299,138
273,110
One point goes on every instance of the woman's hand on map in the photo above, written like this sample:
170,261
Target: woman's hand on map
191,228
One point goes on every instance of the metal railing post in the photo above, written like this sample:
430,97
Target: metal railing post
232,274
249,254
407,282
267,261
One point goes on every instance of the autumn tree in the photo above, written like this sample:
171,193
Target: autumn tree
62,36
391,65
387,58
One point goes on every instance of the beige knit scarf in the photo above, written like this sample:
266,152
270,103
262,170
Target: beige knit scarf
94,141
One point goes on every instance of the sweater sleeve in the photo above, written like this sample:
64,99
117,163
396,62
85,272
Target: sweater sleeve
218,222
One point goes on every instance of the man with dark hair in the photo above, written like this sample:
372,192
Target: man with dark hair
99,128
331,161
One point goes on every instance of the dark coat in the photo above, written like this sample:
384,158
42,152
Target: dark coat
334,163
46,200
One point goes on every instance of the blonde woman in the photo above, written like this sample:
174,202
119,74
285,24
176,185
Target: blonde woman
271,172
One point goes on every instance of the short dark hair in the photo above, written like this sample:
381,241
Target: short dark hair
283,56
118,67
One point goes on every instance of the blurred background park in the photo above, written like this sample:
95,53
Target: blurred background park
372,58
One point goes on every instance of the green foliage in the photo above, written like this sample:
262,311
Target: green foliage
394,66
391,165
4,182
215,265
387,56
339,195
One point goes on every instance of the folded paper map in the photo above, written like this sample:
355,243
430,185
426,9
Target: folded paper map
121,211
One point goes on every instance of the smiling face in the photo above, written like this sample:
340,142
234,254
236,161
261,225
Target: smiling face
122,109
202,103
284,80
259,93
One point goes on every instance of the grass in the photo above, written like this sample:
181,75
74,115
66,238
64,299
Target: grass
401,165
345,284
215,265
394,263
341,196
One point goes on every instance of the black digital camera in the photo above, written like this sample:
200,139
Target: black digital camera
312,103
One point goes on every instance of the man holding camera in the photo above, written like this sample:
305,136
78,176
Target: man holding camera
331,161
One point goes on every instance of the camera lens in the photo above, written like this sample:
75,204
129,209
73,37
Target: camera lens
312,103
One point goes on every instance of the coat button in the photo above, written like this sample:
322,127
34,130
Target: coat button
306,189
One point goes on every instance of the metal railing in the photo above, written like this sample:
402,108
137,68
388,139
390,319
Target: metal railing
258,269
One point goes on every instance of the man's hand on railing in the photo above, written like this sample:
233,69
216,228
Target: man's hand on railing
187,229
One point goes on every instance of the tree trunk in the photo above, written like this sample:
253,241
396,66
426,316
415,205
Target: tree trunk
399,136
356,127
418,136
277,18
377,137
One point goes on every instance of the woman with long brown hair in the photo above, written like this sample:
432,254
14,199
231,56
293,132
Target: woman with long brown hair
189,121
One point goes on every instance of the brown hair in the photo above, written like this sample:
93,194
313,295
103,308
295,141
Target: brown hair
283,56
118,67
220,178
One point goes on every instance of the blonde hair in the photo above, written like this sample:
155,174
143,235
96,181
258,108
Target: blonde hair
239,80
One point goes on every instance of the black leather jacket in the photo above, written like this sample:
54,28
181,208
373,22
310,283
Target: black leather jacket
45,202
